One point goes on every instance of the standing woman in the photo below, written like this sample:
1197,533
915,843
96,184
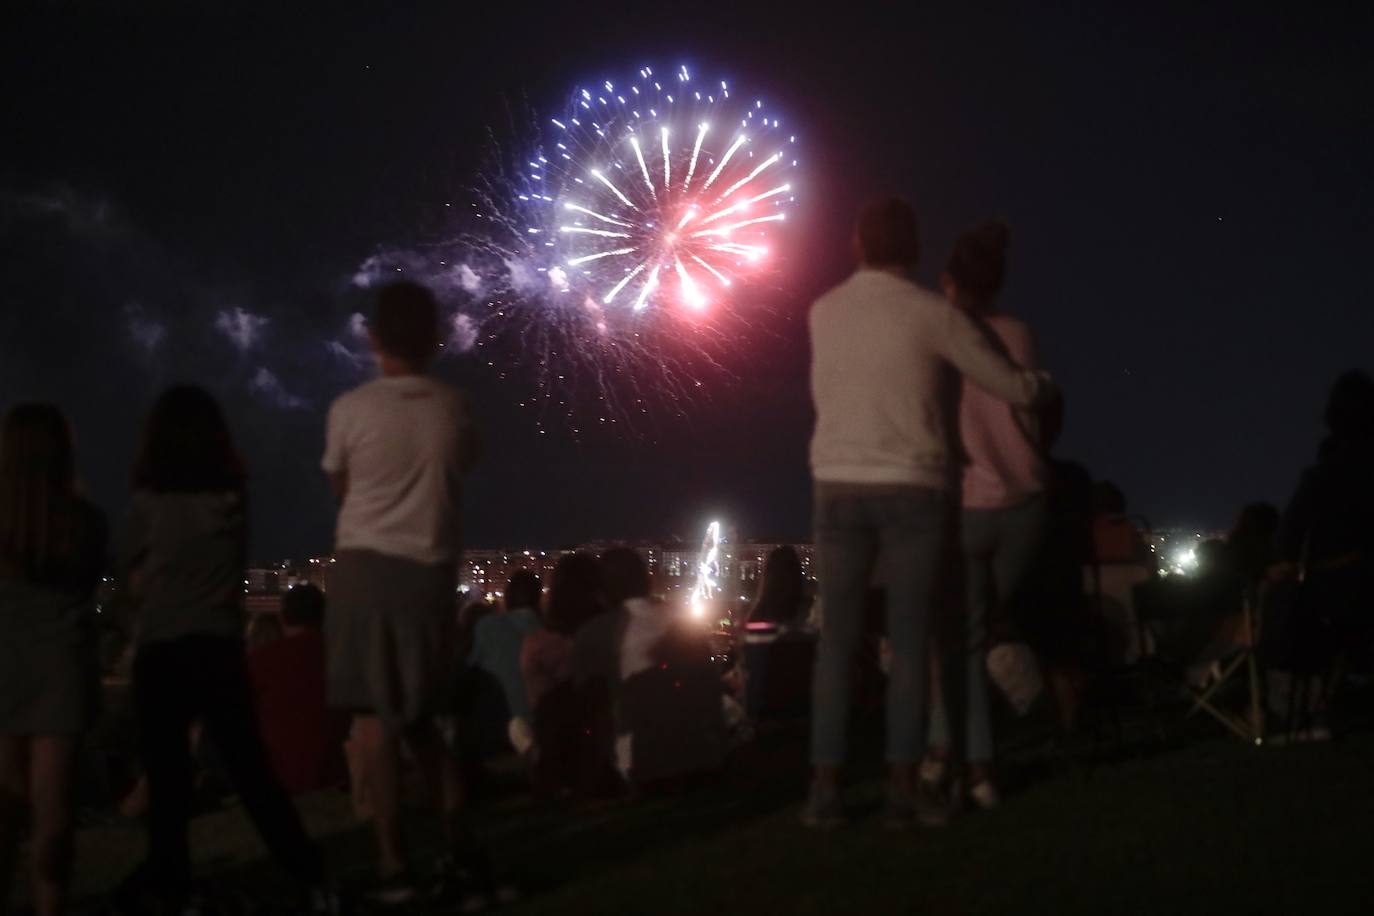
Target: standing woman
52,546
1004,513
183,556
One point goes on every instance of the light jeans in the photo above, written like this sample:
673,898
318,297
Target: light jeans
998,547
898,533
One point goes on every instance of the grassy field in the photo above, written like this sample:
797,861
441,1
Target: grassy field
1204,826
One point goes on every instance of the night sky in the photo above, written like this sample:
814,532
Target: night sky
1188,192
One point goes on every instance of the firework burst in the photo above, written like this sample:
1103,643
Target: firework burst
662,195
609,244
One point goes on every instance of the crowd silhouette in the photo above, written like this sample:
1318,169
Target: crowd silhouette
961,567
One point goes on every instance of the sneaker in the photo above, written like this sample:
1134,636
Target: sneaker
823,811
396,890
984,795
934,804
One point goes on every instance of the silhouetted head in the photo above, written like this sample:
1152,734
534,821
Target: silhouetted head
1211,554
1257,520
1108,498
37,482
303,606
1350,406
470,613
1252,539
625,574
576,595
186,446
886,235
405,324
783,588
524,590
977,267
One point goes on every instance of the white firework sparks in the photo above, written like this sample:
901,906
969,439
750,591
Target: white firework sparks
708,572
608,245
622,220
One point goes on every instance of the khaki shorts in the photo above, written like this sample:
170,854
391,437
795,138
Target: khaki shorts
390,630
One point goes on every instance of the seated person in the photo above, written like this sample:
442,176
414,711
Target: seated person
571,720
1229,574
496,644
668,694
1121,561
778,648
303,737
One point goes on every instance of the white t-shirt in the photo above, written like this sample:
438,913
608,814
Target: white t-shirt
879,345
646,625
404,443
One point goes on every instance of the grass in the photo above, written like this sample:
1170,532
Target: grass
1208,826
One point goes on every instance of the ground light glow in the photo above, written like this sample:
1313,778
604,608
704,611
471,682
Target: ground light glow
708,572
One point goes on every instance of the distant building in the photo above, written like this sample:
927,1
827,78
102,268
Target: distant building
483,573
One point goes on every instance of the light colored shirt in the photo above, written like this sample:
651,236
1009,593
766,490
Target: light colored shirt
879,344
646,623
1004,466
404,443
496,642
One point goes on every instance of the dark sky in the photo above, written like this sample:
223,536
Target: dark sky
1188,191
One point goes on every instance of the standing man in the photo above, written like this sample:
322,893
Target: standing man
396,450
881,469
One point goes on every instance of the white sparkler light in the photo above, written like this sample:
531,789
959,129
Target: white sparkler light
708,572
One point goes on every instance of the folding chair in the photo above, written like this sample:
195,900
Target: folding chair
1170,604
1249,727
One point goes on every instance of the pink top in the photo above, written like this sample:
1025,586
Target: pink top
1004,468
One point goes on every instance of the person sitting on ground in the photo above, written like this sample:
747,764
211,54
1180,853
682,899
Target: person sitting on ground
396,451
627,638
304,738
571,722
52,552
880,349
469,616
668,698
183,555
1003,519
496,644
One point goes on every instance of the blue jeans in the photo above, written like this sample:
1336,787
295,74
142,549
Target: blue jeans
898,534
998,547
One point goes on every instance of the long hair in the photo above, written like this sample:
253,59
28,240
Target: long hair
783,588
1350,406
37,484
187,447
978,263
576,594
